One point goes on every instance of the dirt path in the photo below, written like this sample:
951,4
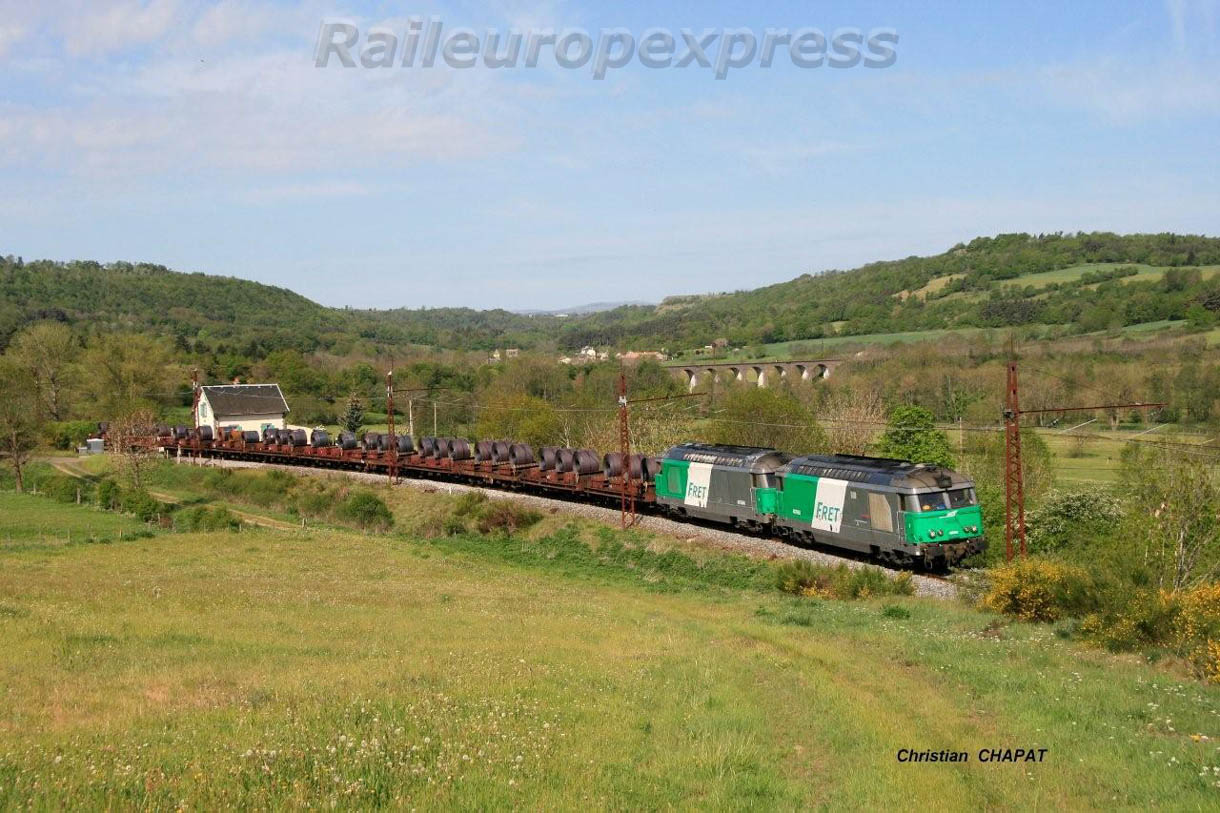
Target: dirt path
68,468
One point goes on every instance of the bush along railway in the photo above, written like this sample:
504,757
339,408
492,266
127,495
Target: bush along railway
894,511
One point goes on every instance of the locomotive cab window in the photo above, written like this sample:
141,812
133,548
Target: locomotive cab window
932,501
961,498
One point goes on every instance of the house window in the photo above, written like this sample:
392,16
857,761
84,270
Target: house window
203,410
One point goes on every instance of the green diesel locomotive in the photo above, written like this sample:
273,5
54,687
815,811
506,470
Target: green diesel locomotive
899,512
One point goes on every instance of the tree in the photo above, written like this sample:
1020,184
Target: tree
129,371
852,415
522,418
912,435
353,416
129,435
753,416
1174,511
49,351
19,416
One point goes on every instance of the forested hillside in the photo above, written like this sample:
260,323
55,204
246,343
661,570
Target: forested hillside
977,284
1088,282
229,316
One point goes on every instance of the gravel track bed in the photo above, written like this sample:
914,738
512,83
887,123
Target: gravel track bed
927,586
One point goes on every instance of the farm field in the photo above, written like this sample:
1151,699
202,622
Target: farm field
328,668
1145,273
828,346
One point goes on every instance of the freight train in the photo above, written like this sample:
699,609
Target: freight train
895,511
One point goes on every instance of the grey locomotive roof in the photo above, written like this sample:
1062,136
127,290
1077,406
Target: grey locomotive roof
754,458
246,399
881,471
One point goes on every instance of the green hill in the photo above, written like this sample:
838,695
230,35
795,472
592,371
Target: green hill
227,315
1088,281
1092,281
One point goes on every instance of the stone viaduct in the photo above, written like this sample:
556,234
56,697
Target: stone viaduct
759,373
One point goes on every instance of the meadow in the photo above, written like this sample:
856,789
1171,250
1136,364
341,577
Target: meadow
325,667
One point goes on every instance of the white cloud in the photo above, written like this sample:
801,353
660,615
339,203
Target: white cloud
313,190
1125,90
102,28
10,35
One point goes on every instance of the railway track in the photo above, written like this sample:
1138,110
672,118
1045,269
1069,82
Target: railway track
691,531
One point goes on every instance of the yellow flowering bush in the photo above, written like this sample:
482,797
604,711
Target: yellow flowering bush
1196,629
1145,620
1037,590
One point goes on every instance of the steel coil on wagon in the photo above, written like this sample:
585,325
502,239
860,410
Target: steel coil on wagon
652,467
427,447
405,444
298,437
636,466
205,433
347,441
499,451
459,449
587,462
521,454
483,451
442,448
269,435
565,460
319,438
181,432
372,441
164,431
548,458
250,436
612,464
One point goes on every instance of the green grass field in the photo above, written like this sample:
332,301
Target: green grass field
27,519
324,668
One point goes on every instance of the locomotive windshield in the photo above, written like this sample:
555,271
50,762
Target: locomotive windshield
941,500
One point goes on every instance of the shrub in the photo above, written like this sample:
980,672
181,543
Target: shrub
453,526
1196,630
140,503
109,495
366,510
64,489
802,577
68,435
1144,620
313,504
1038,590
502,515
894,611
201,518
469,504
1063,517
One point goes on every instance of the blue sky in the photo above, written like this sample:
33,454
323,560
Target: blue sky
200,135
